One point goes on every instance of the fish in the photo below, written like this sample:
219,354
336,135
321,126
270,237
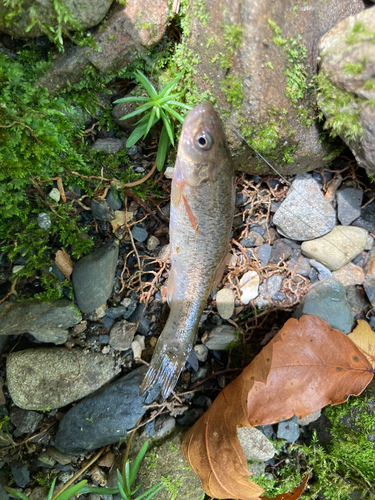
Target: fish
201,217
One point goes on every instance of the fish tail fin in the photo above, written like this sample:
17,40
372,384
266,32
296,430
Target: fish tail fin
165,369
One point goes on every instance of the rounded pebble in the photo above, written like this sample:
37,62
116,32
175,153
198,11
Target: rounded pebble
225,302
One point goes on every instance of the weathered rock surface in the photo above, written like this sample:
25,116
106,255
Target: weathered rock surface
220,337
93,277
304,214
347,83
87,12
349,205
255,445
52,378
47,322
253,80
104,417
327,299
337,248
129,30
225,302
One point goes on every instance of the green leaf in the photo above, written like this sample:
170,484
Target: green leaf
181,104
150,122
146,83
139,110
151,492
163,147
99,490
73,490
122,492
168,125
126,479
170,85
138,133
173,113
16,493
131,99
137,462
52,487
169,97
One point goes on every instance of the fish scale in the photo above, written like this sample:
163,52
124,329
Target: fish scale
202,208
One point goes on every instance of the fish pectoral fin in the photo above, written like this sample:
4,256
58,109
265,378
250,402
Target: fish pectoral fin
176,192
192,219
165,369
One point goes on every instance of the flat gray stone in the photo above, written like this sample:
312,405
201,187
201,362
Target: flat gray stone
255,445
52,378
264,254
109,146
337,248
139,234
367,218
225,302
349,205
288,430
113,199
93,277
104,417
122,334
47,322
102,211
305,214
220,337
327,299
26,421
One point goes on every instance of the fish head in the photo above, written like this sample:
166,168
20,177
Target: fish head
202,147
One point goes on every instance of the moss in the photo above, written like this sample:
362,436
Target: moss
172,487
277,39
200,11
354,68
341,108
369,85
233,90
270,65
359,34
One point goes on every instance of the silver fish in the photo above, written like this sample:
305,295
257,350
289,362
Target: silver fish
202,208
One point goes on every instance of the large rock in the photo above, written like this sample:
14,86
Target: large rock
104,417
52,378
93,277
47,322
347,85
87,13
128,32
258,59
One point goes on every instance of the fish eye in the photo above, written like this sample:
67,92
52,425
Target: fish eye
203,140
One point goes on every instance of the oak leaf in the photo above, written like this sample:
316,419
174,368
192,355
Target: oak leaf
306,366
64,263
364,338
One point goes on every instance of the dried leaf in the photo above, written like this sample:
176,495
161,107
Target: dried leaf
121,219
63,262
60,187
364,338
306,366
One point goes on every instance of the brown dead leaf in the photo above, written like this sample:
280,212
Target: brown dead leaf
306,366
64,263
121,219
60,187
364,338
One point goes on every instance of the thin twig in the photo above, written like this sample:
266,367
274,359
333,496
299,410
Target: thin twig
23,125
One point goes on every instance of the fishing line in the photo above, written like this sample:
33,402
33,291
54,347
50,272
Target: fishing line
316,213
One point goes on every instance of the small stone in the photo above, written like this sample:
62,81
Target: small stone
46,459
113,200
55,195
305,214
102,211
152,243
201,352
25,421
20,473
109,146
254,444
349,205
164,425
44,221
221,337
337,248
192,361
310,418
98,475
190,416
17,268
225,302
131,306
369,242
115,312
249,284
369,286
280,252
241,199
288,430
367,218
357,299
134,151
139,234
350,275
264,254
168,173
61,458
138,346
254,239
268,290
323,271
299,264
327,299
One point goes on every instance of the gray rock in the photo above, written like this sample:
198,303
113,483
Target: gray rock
305,214
131,306
115,312
52,378
88,13
164,426
357,300
280,251
369,286
43,221
199,374
104,417
25,421
299,264
323,271
337,248
310,418
169,461
102,211
93,277
61,458
108,145
121,109
47,322
139,234
327,299
121,335
220,337
255,445
367,218
113,200
288,430
254,239
268,290
152,243
201,352
349,205
225,302
264,254
20,473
